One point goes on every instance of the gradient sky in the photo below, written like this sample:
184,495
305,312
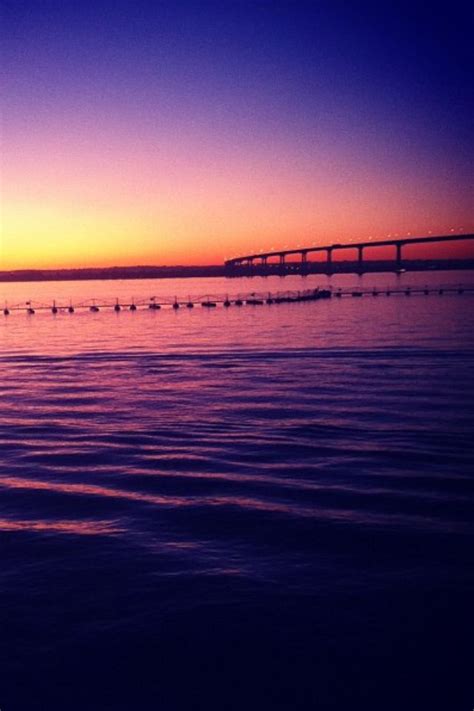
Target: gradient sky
147,132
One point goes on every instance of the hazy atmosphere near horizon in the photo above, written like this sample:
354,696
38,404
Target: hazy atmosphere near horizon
236,356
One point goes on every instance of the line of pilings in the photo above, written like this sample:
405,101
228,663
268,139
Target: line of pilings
253,299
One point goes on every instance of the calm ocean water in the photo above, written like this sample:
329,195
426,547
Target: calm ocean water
258,508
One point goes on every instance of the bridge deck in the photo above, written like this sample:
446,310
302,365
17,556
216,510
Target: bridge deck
304,251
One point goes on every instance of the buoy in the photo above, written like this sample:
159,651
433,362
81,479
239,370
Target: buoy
153,305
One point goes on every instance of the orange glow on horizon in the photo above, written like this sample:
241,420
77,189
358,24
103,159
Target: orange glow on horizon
42,235
99,202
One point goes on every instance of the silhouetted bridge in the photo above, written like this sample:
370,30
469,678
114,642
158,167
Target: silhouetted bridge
260,263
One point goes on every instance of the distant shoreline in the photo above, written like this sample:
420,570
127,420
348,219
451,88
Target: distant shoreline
182,272
110,273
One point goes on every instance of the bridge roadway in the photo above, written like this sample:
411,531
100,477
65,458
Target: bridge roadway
248,260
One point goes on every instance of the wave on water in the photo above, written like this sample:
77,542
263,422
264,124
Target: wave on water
193,512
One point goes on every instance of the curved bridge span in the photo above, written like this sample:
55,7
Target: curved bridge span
261,259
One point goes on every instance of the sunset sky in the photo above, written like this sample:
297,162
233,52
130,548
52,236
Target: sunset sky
146,132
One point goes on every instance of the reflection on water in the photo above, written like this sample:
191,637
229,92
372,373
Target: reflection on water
88,528
186,493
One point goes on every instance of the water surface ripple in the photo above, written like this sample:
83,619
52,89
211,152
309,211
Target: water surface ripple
164,495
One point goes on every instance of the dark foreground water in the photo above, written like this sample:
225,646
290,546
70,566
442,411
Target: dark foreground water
264,508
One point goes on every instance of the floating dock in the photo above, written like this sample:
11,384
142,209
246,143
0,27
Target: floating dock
251,299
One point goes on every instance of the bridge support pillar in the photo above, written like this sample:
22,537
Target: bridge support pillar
399,255
282,265
329,259
304,262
